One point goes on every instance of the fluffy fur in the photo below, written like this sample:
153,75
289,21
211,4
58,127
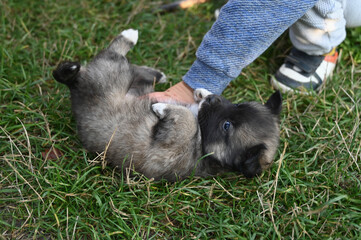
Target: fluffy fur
162,140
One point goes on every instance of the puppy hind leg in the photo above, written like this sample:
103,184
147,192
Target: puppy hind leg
149,74
144,80
66,72
109,73
124,41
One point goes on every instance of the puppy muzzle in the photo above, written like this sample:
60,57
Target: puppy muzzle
213,99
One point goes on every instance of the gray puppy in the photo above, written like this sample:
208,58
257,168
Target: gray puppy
163,140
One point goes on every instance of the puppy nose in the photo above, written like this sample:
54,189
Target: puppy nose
213,99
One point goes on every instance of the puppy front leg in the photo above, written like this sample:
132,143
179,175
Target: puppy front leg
159,109
200,94
176,123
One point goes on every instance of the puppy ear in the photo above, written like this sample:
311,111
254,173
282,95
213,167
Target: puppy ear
66,72
274,103
250,165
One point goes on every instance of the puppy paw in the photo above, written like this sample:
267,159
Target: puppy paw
159,109
131,35
163,78
200,94
66,72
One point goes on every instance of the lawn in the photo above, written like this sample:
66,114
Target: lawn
312,191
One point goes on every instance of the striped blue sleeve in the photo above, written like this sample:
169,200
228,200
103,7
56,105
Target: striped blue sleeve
242,32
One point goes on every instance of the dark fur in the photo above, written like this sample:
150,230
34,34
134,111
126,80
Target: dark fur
165,140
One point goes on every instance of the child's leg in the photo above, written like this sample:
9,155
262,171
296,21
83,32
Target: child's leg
352,13
321,29
315,37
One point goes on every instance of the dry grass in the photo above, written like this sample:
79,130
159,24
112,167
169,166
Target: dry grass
312,190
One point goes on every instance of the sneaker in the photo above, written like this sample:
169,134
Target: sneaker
303,72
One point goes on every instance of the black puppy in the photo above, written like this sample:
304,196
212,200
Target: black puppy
165,140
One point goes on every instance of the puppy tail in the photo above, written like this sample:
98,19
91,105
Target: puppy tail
66,72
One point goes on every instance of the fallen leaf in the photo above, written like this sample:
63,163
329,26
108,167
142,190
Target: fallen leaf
52,154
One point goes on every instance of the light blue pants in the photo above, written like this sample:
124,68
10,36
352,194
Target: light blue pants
323,26
246,28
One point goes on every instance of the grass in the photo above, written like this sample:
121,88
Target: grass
311,192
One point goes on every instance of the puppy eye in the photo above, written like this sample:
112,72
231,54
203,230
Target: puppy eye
226,125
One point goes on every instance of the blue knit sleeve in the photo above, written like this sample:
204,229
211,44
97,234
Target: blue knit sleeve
242,32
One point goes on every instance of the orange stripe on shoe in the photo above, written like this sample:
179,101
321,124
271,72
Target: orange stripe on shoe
331,58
